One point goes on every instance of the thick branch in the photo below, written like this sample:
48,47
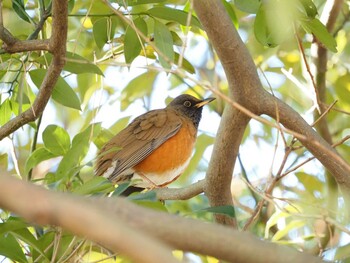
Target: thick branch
219,174
119,225
57,46
80,217
241,76
240,70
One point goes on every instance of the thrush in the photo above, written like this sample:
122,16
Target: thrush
156,147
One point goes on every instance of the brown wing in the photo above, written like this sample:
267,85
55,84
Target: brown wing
138,140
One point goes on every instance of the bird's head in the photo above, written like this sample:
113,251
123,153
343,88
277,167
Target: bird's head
189,106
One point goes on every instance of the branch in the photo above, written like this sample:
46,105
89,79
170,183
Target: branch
135,231
184,193
329,17
57,46
13,45
246,89
82,218
26,45
225,40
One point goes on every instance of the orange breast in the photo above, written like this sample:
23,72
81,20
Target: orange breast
171,154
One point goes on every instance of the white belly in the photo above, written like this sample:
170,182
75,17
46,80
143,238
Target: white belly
152,180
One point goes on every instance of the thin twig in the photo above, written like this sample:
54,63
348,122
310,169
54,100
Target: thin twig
184,43
324,113
34,143
317,100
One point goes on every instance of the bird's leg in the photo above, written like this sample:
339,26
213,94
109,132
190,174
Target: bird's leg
153,185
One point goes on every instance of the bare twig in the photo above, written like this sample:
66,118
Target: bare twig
269,190
317,100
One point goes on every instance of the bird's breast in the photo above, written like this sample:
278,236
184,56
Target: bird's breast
169,160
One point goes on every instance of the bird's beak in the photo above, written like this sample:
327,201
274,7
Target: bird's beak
204,102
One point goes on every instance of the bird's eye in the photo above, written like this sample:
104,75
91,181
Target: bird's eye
187,104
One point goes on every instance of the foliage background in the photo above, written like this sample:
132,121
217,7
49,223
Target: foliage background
126,57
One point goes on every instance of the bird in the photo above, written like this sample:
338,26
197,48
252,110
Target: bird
155,148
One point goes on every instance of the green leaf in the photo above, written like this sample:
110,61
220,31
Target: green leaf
75,64
283,232
273,23
273,220
176,39
315,27
309,7
70,5
67,243
261,31
148,199
27,237
4,161
132,42
119,125
342,253
62,92
147,196
342,90
56,140
103,137
12,224
44,243
103,31
10,248
155,205
138,87
5,112
96,184
185,64
36,157
71,160
173,14
310,182
18,6
231,13
137,2
227,210
164,42
121,188
248,6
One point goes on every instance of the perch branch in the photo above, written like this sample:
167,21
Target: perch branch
184,193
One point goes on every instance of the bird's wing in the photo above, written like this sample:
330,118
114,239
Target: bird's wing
138,140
